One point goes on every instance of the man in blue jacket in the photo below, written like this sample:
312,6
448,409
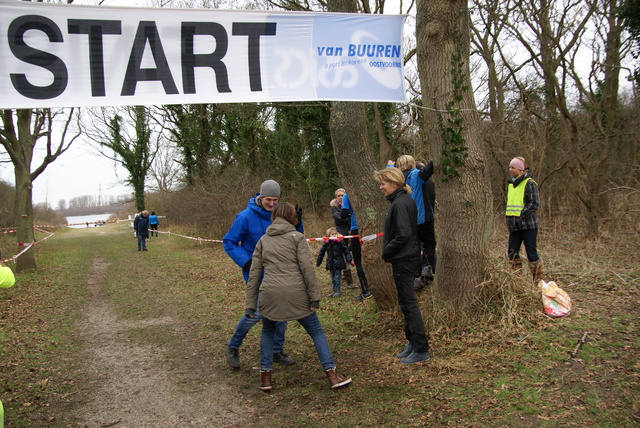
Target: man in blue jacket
239,242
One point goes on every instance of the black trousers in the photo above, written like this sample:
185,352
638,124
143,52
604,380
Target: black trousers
427,240
403,272
356,252
530,238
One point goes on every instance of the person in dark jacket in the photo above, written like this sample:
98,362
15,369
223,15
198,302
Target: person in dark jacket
354,245
342,226
417,178
338,258
523,200
400,248
141,226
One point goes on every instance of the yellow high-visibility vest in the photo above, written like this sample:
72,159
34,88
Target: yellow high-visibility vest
515,198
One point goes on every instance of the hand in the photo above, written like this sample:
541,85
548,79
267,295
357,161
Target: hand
315,305
299,213
251,313
390,162
247,266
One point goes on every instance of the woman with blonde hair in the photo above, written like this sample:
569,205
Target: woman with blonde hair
400,248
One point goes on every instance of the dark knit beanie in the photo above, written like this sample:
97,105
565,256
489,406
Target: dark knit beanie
270,188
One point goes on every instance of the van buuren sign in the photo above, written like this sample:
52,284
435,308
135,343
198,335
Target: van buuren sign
54,55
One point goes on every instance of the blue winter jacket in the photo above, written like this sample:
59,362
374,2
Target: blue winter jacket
415,178
245,232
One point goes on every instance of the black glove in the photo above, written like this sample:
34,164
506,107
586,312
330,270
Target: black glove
299,213
315,304
247,266
251,313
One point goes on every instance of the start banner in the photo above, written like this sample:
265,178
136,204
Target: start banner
55,55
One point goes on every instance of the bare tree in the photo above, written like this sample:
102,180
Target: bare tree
20,133
125,136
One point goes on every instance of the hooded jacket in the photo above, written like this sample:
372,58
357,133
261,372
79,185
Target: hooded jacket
338,254
245,232
289,284
400,228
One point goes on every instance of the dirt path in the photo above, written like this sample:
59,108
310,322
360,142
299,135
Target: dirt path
133,386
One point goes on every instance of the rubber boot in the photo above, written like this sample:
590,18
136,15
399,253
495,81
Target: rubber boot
536,270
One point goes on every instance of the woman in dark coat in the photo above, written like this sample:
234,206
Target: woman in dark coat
400,248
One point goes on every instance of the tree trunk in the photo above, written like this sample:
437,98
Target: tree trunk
356,165
464,215
23,217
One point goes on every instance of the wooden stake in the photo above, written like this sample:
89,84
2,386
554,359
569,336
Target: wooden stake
580,343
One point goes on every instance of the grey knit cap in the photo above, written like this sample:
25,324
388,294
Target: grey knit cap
269,188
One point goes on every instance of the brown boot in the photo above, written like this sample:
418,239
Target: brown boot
265,380
336,380
516,264
536,270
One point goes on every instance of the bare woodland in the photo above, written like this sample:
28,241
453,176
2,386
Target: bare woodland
488,80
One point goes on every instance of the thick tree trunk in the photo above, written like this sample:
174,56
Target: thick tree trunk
356,165
464,215
23,217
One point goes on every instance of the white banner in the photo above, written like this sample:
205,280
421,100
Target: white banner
54,55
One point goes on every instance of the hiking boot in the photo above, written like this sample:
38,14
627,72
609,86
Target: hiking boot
415,357
283,359
233,358
351,286
336,380
365,295
331,294
265,380
335,294
418,284
408,349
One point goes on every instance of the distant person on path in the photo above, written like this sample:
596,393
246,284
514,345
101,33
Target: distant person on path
153,223
342,226
523,201
239,243
141,226
289,291
354,244
400,248
416,178
338,258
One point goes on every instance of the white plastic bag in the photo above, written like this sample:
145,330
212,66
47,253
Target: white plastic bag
555,300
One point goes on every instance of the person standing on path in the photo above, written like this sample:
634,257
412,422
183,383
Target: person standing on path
523,201
141,226
354,245
239,243
289,291
400,248
153,223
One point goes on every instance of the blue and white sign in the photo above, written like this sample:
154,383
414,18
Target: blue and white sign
54,55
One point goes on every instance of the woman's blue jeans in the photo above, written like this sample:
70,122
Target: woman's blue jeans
312,325
245,324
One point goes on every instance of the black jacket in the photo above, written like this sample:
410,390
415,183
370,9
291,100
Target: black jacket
400,228
141,225
342,224
338,254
